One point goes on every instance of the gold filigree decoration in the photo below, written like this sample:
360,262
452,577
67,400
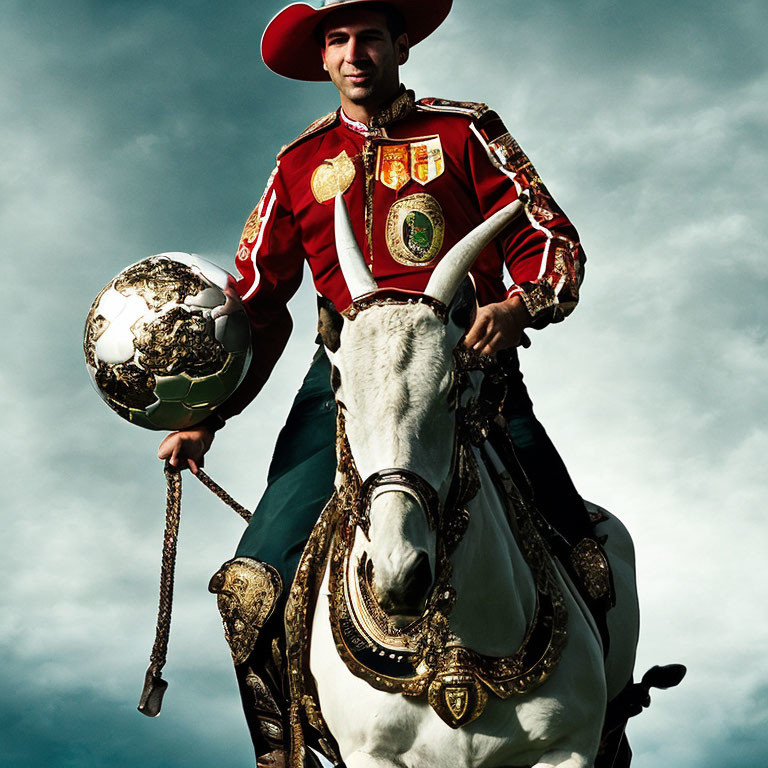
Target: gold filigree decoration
414,230
125,385
592,568
369,165
402,106
426,658
159,281
539,298
247,591
332,176
381,298
252,226
302,598
556,294
457,695
178,341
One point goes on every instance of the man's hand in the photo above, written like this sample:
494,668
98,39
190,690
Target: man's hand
498,326
187,447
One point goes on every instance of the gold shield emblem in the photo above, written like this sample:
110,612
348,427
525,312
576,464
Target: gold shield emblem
333,176
457,696
457,699
414,229
393,166
427,161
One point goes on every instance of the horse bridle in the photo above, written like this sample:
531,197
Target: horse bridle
397,477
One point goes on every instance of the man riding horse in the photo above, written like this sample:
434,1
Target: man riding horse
416,176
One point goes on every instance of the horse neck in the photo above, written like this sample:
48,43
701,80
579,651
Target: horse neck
495,592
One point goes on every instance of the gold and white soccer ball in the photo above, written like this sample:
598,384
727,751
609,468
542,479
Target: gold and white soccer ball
167,341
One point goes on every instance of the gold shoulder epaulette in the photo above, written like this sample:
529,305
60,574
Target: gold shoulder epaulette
318,125
484,119
472,109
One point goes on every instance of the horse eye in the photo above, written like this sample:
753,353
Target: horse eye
335,378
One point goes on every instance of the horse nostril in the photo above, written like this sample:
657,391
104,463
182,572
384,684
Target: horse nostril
418,581
405,600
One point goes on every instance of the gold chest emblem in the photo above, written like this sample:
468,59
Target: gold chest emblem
332,176
419,159
393,165
427,161
414,229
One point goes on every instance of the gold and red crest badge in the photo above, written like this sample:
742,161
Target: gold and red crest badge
419,159
393,166
427,162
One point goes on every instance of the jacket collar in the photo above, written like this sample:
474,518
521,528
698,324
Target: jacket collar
402,106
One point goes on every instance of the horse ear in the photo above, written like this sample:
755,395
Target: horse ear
464,305
329,324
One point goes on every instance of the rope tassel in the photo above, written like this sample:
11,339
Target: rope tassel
151,699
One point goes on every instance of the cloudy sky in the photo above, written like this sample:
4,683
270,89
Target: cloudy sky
131,128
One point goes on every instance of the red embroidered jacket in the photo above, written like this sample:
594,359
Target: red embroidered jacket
415,181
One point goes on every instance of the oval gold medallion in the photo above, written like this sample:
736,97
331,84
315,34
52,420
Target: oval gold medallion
414,230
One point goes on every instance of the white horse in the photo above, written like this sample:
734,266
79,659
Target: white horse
395,371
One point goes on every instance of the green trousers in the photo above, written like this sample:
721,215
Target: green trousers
303,467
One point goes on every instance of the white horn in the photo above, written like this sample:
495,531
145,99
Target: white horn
455,265
357,276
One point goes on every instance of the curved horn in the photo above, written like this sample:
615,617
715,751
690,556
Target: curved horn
357,276
455,265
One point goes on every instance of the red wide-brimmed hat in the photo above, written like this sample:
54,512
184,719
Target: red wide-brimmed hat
289,46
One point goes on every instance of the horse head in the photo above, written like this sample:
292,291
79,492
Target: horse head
394,376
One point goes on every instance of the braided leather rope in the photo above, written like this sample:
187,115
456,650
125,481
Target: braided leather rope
223,495
154,685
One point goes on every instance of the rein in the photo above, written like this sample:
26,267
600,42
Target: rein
154,686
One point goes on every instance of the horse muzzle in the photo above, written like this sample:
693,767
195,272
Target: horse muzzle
406,600
400,571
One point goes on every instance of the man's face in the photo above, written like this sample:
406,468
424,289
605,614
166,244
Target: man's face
361,57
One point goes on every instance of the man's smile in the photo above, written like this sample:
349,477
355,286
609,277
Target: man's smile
358,78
